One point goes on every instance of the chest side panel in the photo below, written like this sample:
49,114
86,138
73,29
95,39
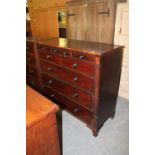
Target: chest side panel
110,72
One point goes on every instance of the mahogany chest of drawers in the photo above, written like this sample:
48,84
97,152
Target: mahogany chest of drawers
81,76
31,65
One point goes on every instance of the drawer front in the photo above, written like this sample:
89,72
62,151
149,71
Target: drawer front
78,111
30,59
29,47
53,95
81,66
69,76
31,71
55,50
63,52
47,55
76,95
84,56
72,107
33,82
42,48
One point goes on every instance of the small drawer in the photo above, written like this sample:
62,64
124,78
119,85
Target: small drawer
31,71
84,56
47,55
29,47
72,107
30,59
68,76
33,82
76,95
43,47
78,65
63,52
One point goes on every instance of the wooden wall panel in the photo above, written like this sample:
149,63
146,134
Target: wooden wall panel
87,22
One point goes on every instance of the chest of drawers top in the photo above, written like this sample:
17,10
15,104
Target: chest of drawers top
86,47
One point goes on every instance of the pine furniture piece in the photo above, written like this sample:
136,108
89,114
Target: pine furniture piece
81,76
41,126
42,4
44,17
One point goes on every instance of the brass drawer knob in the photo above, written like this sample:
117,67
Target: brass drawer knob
48,57
38,47
65,54
54,50
76,110
50,82
81,57
52,95
43,48
75,79
75,95
75,65
49,69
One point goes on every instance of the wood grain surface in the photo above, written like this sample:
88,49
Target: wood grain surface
78,46
37,107
92,20
41,126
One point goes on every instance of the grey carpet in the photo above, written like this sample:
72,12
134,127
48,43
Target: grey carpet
113,138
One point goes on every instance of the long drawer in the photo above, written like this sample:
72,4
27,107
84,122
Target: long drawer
77,79
78,111
83,98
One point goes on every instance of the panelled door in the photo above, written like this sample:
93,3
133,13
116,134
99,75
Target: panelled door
76,22
45,24
98,16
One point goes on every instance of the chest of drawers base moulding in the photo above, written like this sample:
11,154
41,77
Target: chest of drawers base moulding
102,61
